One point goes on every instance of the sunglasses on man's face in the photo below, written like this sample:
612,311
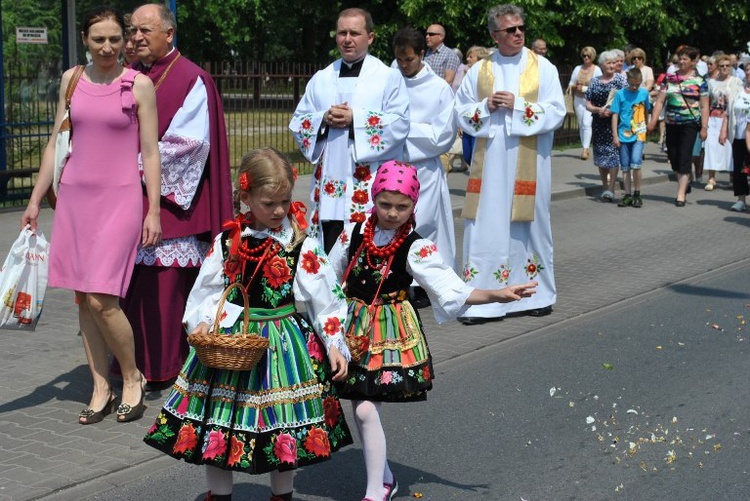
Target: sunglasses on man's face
512,30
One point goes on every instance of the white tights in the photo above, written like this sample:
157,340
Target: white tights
220,481
367,419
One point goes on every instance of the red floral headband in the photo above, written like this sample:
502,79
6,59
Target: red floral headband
244,181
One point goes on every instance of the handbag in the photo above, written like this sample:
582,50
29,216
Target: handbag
23,281
63,144
569,106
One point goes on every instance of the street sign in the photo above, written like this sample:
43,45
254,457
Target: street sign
31,35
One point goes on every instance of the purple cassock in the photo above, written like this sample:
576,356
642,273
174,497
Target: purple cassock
196,200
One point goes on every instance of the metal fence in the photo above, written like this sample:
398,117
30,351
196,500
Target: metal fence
259,99
31,92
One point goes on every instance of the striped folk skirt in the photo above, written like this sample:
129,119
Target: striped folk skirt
396,365
282,414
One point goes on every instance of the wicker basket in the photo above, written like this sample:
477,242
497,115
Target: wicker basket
235,352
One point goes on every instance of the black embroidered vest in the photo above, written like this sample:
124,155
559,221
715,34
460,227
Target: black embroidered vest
272,285
363,280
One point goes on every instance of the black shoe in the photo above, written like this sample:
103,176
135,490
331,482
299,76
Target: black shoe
160,385
90,416
478,320
539,312
127,412
679,203
418,298
637,200
471,320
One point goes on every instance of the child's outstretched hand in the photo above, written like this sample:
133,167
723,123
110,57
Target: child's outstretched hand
201,328
506,295
339,365
516,292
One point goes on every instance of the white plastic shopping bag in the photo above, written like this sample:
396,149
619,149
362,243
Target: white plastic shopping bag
23,281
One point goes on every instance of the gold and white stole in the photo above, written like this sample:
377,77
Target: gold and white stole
524,191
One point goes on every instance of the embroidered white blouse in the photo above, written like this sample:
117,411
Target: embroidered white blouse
444,287
315,286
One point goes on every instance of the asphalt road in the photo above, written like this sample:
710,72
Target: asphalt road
645,400
639,291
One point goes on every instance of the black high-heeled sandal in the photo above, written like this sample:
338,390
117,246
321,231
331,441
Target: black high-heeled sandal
90,416
127,412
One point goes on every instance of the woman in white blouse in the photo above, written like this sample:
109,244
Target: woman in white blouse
579,82
638,59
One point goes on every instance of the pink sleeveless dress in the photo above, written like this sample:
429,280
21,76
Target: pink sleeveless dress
98,220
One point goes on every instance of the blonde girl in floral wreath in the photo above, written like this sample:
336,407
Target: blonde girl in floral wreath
377,261
283,413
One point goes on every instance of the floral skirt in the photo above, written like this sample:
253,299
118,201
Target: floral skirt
282,414
397,365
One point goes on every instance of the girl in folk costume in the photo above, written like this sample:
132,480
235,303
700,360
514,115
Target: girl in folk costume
377,261
284,412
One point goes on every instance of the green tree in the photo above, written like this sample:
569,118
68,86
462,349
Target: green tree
657,26
255,29
38,13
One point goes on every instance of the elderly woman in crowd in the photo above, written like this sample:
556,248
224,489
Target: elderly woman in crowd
620,61
599,96
718,145
685,96
638,59
579,84
740,156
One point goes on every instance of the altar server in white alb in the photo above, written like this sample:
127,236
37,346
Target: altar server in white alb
432,131
353,117
512,102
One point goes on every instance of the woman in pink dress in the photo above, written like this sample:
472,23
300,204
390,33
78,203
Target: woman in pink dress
98,221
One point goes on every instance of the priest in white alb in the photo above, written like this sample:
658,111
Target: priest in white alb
432,131
353,117
512,102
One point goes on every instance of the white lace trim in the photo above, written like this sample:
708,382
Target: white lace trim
182,161
339,342
182,252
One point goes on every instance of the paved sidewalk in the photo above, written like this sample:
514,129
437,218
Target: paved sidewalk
44,380
571,177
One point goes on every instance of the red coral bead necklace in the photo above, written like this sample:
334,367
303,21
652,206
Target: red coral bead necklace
255,254
386,251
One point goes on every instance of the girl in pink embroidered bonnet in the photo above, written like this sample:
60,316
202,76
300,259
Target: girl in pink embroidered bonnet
377,261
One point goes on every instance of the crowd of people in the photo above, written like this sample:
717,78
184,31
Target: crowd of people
699,106
376,244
